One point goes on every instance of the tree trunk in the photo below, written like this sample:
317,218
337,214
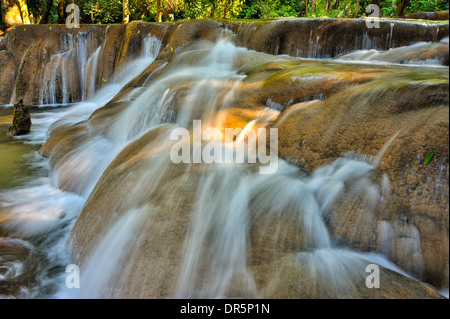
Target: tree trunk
213,9
225,9
2,22
313,6
61,10
306,8
23,8
158,11
328,6
47,10
356,9
401,7
126,11
336,4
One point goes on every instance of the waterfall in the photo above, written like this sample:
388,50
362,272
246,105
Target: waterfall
228,200
109,256
40,209
13,96
76,62
91,72
138,224
413,54
151,46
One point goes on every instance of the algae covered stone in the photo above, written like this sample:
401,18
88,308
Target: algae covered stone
21,120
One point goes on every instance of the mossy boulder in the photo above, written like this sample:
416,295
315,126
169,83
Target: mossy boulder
21,120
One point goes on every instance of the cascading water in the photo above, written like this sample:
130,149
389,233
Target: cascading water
415,54
71,72
40,212
228,199
236,219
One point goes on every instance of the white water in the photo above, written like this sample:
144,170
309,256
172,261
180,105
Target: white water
228,199
402,55
40,212
108,258
71,74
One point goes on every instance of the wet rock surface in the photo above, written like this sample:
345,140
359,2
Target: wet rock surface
21,120
391,116
30,48
443,15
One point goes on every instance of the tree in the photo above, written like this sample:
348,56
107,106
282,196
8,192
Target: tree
46,13
158,11
401,7
126,11
23,9
2,23
212,3
356,9
336,4
226,8
61,12
328,6
313,6
306,8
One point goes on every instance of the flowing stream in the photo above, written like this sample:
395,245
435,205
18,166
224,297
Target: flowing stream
39,214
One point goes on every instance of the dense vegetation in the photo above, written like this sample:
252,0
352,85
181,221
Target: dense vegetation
117,11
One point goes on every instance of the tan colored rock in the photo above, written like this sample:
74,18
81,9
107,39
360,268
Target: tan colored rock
156,256
365,120
7,76
21,123
308,276
326,38
358,108
441,15
122,43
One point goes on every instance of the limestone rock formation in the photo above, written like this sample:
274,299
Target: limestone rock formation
29,48
442,15
389,115
402,128
21,120
154,261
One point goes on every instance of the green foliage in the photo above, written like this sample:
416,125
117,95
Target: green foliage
201,9
36,10
426,6
429,158
194,9
388,11
389,7
2,24
111,11
263,9
103,11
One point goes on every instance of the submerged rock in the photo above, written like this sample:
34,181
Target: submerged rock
21,120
